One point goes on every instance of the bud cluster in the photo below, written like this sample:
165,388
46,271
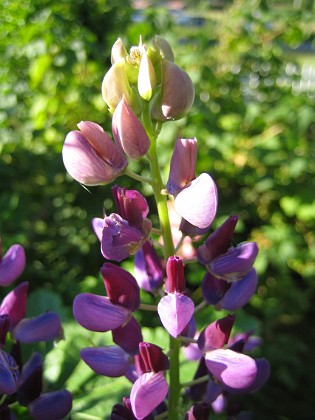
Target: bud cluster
144,89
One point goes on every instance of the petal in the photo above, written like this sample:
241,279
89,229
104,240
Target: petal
240,292
119,239
98,224
12,265
175,311
128,336
151,358
97,313
122,288
44,327
148,268
217,334
197,203
110,361
14,304
30,385
175,280
233,369
147,393
235,263
9,374
51,406
213,289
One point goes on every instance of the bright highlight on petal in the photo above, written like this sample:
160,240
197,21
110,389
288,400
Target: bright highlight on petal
197,203
233,369
175,311
147,393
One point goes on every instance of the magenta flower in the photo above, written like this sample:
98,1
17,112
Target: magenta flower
148,268
175,309
128,132
91,157
150,389
12,264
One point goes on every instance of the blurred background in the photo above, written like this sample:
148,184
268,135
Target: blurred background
253,66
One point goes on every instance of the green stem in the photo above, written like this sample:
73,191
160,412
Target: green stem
137,177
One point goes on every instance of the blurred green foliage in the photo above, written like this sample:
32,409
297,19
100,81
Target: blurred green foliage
254,121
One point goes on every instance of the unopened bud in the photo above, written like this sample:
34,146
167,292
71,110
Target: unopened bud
118,51
178,93
146,77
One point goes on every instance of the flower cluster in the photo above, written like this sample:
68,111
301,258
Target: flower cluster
22,382
144,89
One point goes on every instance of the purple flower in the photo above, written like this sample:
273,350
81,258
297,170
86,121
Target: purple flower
148,268
91,157
124,233
51,405
9,374
150,389
4,328
217,334
31,382
97,313
129,134
44,327
14,304
183,165
110,361
128,336
176,309
12,264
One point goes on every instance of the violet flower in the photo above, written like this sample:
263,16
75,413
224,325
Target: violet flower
124,233
31,381
110,361
9,374
43,327
175,309
12,264
51,405
91,157
148,268
150,389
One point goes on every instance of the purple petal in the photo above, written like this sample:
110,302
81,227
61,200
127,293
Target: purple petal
233,369
119,239
183,165
122,288
263,373
12,265
175,280
147,393
219,404
9,374
151,358
4,328
128,336
217,334
98,224
192,352
97,313
14,304
197,203
213,289
218,242
240,292
235,263
148,268
51,406
84,163
110,361
44,327
30,385
175,311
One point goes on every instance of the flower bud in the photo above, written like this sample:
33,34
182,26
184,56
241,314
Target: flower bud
146,77
12,264
151,358
177,95
175,280
14,304
128,132
183,165
115,85
118,51
217,334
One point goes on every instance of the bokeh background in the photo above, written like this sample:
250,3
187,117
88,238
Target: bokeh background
253,66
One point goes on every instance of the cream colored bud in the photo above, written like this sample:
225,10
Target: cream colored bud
164,47
118,51
146,77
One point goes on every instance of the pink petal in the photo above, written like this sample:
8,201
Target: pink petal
175,311
147,393
233,369
197,203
